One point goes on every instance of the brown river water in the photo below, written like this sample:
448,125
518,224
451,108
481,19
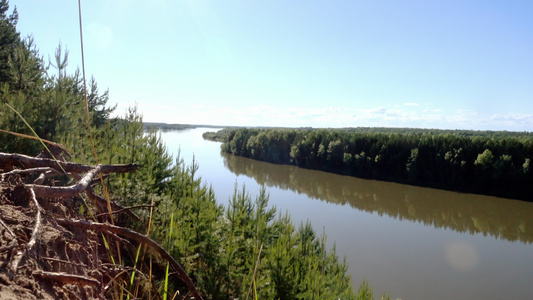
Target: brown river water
409,242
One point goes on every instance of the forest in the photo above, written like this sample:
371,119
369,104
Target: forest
247,248
483,162
169,127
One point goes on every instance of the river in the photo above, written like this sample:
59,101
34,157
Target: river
409,242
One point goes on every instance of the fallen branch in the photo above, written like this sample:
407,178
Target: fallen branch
28,171
65,191
10,160
97,180
15,261
13,264
40,179
7,228
37,222
67,278
140,238
46,172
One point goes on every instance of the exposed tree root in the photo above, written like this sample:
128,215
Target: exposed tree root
8,162
42,170
67,278
65,191
74,268
140,238
37,222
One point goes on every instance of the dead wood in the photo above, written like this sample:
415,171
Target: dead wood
7,228
45,172
86,176
67,278
40,179
8,162
29,171
37,222
140,238
17,257
65,191
98,180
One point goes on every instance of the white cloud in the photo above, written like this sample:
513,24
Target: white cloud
335,116
433,110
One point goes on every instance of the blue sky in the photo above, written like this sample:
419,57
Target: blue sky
430,64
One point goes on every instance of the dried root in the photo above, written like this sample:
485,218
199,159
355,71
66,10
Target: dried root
68,268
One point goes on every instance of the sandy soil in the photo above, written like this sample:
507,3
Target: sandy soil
46,270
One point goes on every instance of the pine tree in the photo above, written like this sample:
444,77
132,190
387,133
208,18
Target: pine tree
9,39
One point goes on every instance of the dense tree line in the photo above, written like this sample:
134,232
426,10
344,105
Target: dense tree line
167,127
172,127
487,162
228,251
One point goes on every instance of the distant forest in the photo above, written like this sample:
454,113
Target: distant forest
167,127
483,162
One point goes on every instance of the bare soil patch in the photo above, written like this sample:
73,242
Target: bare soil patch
57,249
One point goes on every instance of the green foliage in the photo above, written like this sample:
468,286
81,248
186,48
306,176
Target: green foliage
21,84
485,159
9,40
218,246
53,105
471,161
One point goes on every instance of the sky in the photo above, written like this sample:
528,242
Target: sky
428,64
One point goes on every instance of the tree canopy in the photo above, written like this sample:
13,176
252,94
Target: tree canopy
486,162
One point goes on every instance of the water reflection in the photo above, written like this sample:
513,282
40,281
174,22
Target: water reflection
502,218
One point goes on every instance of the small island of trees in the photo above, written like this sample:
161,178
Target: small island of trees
484,162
